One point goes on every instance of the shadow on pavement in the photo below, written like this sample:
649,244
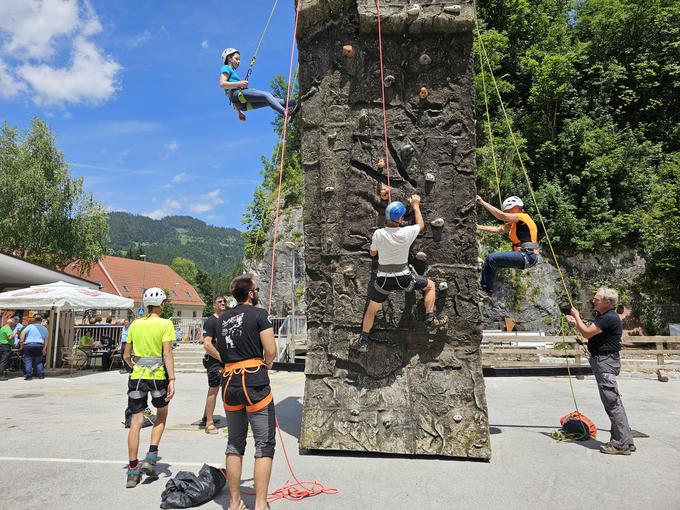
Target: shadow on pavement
289,414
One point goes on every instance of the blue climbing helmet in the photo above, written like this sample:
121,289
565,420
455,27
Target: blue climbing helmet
394,211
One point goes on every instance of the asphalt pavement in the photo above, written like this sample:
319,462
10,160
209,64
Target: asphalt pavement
64,447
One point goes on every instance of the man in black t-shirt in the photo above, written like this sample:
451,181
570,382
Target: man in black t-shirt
212,365
604,344
246,346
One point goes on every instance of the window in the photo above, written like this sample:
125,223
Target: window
126,288
189,294
179,313
194,313
174,293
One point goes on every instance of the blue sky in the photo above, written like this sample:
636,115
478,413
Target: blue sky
130,91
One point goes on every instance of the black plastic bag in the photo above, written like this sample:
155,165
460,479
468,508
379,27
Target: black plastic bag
186,489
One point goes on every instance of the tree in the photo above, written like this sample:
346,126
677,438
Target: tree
186,269
168,310
47,217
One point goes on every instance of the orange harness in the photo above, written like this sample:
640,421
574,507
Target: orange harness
247,366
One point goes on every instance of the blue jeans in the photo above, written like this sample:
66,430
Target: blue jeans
33,358
260,99
504,259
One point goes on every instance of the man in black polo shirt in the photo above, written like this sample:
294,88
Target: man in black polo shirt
246,345
604,344
212,366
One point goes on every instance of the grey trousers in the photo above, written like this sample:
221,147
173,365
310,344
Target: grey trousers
605,369
263,425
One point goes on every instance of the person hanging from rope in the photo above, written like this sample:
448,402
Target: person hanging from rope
392,244
244,98
247,347
524,236
148,351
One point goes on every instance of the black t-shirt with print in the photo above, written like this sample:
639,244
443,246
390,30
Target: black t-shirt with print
609,341
238,337
209,329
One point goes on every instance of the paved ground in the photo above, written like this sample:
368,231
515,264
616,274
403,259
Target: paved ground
64,448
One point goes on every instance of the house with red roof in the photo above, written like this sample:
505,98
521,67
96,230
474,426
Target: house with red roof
129,277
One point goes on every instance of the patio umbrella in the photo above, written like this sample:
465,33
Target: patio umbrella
61,295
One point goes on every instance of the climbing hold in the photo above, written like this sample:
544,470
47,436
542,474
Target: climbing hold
387,422
363,117
348,271
414,10
438,223
389,80
423,93
348,51
407,151
422,256
384,193
331,137
457,418
452,9
425,60
381,164
329,189
443,286
429,177
354,412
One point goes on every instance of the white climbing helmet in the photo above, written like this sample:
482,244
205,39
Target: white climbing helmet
227,52
154,297
511,202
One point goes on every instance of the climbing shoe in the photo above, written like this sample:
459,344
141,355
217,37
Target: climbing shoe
149,465
134,476
610,449
434,323
359,343
483,295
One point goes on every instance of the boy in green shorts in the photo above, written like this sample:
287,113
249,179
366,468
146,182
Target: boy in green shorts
149,352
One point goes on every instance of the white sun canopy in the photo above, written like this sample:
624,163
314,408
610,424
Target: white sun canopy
61,295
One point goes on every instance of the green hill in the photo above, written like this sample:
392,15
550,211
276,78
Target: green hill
215,249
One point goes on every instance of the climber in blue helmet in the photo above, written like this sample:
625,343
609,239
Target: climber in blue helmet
392,244
244,98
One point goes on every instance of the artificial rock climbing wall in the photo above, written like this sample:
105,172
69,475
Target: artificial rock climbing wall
412,392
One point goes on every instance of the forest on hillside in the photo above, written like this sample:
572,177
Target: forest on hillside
592,92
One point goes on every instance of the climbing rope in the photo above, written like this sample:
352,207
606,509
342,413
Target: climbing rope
384,109
485,59
259,44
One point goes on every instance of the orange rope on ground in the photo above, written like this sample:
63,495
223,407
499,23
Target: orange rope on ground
382,89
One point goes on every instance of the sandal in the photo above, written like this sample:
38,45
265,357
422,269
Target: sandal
211,429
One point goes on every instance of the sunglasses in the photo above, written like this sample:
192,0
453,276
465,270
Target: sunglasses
220,302
256,289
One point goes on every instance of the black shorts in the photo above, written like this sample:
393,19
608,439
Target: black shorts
394,284
146,387
214,370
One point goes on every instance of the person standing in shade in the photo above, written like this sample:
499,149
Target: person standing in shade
604,344
34,343
149,353
246,345
212,365
7,334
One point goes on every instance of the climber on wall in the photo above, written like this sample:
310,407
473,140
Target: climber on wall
524,236
244,98
391,244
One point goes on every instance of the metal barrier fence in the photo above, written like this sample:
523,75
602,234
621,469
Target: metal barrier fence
101,333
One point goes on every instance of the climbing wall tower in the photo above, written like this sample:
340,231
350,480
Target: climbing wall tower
411,393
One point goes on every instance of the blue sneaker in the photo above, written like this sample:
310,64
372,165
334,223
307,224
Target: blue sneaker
134,476
149,464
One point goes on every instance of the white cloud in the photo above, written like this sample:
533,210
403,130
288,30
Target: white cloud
180,177
35,35
204,44
139,39
172,146
207,202
169,206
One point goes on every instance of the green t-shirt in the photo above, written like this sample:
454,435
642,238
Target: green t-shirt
147,336
86,341
5,331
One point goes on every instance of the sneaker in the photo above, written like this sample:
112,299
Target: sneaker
359,343
202,422
434,324
27,378
609,449
483,295
134,476
149,465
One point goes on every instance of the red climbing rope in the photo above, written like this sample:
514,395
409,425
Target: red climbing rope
300,489
382,89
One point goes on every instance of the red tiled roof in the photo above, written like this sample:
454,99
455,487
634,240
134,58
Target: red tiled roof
125,277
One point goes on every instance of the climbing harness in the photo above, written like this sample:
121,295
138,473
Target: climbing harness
248,366
150,363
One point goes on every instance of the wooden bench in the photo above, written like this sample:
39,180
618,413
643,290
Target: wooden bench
496,347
